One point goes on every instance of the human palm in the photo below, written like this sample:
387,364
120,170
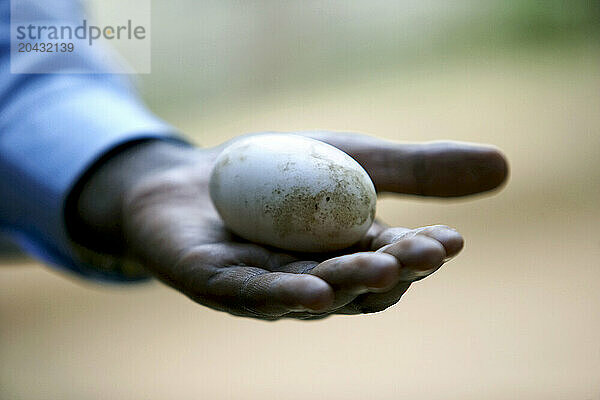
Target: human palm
172,228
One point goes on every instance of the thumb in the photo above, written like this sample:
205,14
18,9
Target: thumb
441,169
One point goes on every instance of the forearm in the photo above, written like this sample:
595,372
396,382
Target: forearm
53,128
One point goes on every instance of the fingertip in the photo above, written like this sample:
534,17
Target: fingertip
314,293
453,244
418,252
386,271
495,169
431,254
451,239
451,169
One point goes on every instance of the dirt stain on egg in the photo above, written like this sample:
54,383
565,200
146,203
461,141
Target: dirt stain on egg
299,209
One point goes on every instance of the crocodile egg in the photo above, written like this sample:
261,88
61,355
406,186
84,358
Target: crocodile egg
293,193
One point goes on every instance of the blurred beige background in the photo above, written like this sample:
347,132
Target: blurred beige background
516,315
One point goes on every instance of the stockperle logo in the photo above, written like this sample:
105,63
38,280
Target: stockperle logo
113,34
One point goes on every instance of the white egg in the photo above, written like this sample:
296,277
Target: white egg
292,192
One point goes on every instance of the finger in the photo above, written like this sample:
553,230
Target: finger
278,293
419,255
449,238
442,169
360,272
352,274
374,302
226,277
373,233
451,241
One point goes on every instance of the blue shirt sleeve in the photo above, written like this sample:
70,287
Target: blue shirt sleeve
52,128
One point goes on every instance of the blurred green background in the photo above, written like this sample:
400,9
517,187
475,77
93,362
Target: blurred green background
516,315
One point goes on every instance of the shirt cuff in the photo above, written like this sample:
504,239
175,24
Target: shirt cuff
69,136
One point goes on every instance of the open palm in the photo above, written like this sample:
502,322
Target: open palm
171,226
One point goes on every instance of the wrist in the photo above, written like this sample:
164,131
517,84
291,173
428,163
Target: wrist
93,210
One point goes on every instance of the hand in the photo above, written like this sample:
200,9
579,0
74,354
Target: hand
166,218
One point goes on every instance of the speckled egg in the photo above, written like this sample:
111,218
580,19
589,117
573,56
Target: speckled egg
292,192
